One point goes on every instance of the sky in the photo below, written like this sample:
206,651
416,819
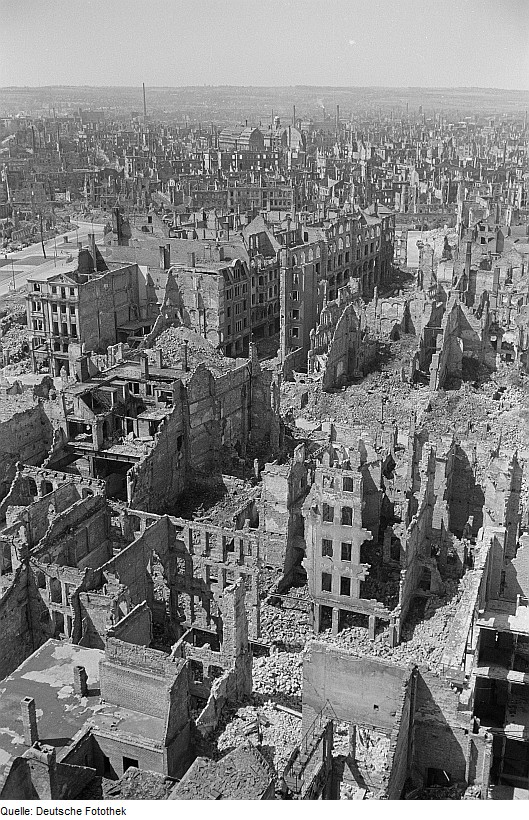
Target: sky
424,43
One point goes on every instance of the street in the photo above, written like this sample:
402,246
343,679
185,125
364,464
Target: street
16,270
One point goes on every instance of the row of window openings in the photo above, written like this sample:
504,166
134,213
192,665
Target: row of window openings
271,295
64,330
239,327
346,549
238,290
37,308
273,274
345,584
240,306
346,517
36,287
332,483
63,291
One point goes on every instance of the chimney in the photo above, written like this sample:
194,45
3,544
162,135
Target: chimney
496,280
158,358
80,680
29,721
191,259
93,249
183,355
116,224
468,258
144,364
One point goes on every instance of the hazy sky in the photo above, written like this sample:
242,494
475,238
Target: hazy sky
265,42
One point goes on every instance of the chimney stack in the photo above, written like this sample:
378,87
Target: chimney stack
29,721
496,280
144,364
93,248
184,356
80,681
468,258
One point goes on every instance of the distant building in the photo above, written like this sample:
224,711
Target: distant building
241,139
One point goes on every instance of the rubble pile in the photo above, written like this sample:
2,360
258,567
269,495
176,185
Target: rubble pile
280,732
356,404
138,785
15,337
371,750
279,677
292,627
423,635
171,342
456,792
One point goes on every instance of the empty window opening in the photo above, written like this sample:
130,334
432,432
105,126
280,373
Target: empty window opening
328,513
346,551
345,586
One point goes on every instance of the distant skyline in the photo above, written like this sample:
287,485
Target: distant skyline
386,43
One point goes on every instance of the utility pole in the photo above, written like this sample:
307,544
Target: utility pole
41,237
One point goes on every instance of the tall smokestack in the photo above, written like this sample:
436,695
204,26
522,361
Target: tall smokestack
468,258
294,117
144,104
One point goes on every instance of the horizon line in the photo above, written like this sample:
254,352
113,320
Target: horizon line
299,85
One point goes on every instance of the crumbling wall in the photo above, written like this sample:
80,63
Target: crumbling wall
26,436
284,488
37,516
462,335
159,478
294,361
222,692
398,760
78,537
440,737
129,567
197,562
135,627
96,612
106,302
418,536
344,352
17,639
